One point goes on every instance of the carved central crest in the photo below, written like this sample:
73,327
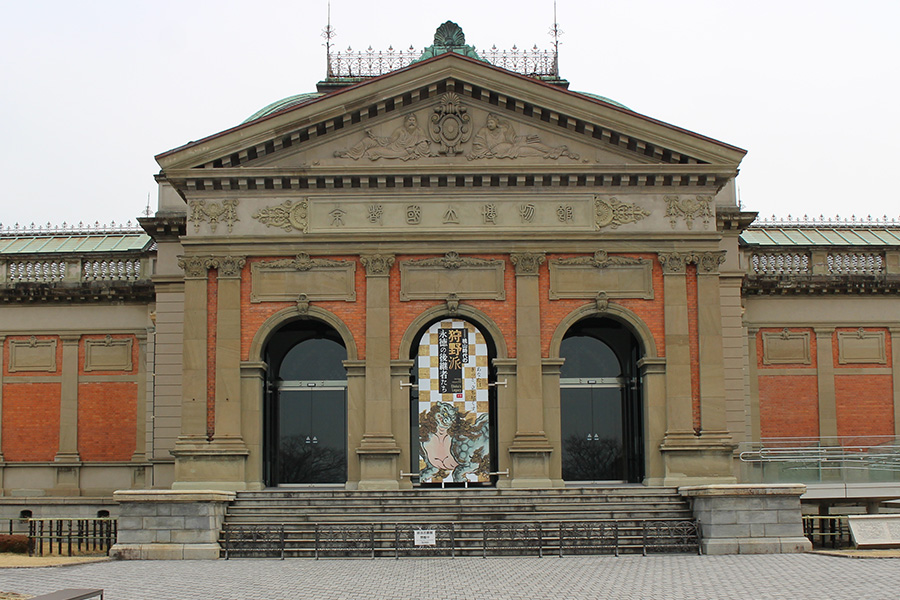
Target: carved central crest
449,34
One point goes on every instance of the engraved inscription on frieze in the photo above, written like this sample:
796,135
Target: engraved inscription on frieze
498,139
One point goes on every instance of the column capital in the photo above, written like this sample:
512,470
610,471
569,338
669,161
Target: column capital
377,265
229,266
708,262
675,263
194,267
527,263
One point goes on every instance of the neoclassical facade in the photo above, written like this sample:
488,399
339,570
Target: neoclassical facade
450,274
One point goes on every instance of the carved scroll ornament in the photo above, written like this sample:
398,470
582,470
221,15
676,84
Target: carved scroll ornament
450,125
212,213
288,215
687,208
303,262
194,267
601,259
452,260
613,213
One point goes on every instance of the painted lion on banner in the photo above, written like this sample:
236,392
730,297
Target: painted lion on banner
453,445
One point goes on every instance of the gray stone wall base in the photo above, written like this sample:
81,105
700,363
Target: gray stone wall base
165,551
748,519
169,524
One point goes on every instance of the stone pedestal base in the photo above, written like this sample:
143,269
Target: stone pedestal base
211,466
169,524
693,460
749,519
530,462
378,469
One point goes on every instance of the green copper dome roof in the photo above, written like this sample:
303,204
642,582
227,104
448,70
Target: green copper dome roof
283,104
604,99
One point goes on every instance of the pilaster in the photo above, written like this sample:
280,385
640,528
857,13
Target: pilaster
378,450
68,403
825,372
228,353
713,417
2,362
141,419
895,371
530,450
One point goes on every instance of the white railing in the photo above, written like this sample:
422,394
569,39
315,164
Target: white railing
823,221
70,229
36,270
855,263
111,270
780,263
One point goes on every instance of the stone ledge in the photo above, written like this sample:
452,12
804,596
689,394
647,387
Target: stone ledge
186,496
165,551
737,489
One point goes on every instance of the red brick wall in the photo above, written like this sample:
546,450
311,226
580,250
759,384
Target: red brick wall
353,314
789,406
107,421
31,410
864,402
30,421
502,312
650,311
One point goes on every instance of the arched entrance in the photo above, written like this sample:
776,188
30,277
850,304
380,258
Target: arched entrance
453,405
305,410
601,415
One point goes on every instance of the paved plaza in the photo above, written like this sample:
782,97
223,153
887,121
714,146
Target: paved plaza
794,577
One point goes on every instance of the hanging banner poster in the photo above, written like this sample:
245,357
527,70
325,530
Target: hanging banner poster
454,421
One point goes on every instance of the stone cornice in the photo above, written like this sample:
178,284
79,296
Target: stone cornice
669,178
164,226
796,285
78,292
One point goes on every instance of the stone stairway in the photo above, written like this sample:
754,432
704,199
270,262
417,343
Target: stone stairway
463,522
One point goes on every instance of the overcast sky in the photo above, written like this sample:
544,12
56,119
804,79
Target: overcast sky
92,90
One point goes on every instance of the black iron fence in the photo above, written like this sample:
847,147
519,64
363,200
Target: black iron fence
827,531
369,540
70,536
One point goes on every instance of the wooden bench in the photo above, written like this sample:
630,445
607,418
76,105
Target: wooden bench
71,594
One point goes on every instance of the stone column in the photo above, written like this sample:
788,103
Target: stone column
228,353
755,424
68,404
378,449
713,418
400,418
552,415
825,372
140,441
653,387
689,457
530,450
506,416
253,380
192,443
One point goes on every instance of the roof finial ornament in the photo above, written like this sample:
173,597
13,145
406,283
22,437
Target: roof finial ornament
555,32
328,33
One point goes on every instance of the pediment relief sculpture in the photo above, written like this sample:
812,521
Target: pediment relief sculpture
450,125
499,139
407,142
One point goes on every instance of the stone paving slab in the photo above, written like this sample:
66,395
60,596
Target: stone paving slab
760,577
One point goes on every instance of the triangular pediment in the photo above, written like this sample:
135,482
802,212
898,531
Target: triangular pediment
450,113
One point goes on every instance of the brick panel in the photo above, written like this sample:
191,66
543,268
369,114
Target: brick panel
865,404
789,405
30,421
107,421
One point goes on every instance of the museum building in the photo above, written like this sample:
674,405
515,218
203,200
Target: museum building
447,273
